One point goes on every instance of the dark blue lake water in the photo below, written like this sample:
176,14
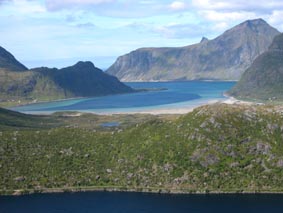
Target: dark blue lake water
115,202
176,95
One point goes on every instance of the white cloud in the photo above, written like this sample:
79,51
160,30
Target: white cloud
183,31
208,4
275,19
21,8
64,4
25,6
213,15
224,14
237,4
53,29
221,26
177,5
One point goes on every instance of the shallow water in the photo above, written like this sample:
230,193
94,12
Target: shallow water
110,124
110,202
177,95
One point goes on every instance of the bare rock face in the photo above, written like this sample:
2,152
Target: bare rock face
223,58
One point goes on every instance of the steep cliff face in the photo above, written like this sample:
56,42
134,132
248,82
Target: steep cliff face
223,58
263,79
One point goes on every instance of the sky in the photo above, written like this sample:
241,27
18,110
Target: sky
58,33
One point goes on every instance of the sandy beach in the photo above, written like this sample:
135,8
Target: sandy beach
183,109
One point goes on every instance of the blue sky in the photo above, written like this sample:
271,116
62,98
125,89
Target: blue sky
58,33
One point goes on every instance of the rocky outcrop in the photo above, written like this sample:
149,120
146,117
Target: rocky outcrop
223,58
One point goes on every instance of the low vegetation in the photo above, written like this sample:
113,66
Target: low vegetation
217,148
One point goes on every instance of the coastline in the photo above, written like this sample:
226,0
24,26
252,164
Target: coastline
26,103
153,190
173,110
184,110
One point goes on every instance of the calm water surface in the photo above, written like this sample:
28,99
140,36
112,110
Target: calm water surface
177,95
110,202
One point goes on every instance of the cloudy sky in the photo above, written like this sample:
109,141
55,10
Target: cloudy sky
57,33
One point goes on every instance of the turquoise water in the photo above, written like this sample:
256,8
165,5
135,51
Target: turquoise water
176,95
116,202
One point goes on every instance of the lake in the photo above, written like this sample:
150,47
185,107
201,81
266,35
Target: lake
177,95
110,202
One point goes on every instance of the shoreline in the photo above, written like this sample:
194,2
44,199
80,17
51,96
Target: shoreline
26,103
175,110
179,110
151,190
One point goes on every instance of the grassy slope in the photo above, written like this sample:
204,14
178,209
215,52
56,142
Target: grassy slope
214,148
263,80
8,61
10,120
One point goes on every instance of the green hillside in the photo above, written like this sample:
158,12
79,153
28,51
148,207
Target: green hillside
217,148
263,80
10,120
80,80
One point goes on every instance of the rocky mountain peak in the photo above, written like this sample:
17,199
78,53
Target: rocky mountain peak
224,58
204,39
255,22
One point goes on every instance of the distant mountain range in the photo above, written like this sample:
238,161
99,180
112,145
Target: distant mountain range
223,58
264,79
18,84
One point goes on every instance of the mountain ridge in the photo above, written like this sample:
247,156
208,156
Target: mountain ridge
9,62
19,85
224,58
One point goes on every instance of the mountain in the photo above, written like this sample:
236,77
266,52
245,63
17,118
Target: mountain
20,85
223,58
80,80
263,80
8,61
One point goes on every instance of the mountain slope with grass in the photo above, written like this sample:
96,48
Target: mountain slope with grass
263,79
215,148
9,62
